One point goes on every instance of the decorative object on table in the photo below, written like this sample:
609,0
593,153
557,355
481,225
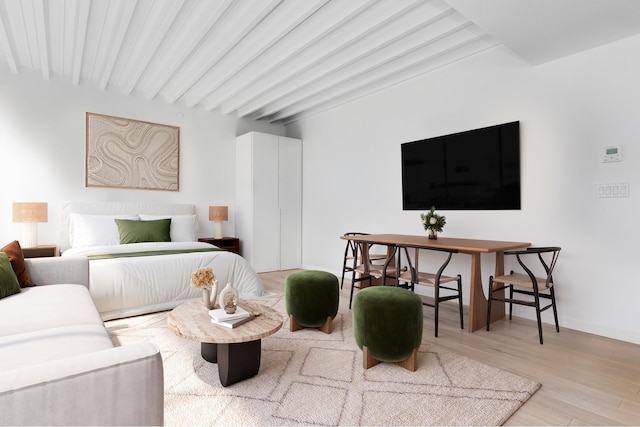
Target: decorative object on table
204,278
228,299
433,222
30,214
217,214
230,320
127,153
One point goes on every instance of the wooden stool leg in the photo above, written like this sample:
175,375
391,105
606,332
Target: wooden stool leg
411,363
293,325
367,360
326,328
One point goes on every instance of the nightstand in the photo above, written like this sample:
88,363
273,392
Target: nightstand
40,251
231,244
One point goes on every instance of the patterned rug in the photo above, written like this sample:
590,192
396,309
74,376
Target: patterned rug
311,378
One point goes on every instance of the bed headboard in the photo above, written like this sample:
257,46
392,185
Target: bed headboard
115,208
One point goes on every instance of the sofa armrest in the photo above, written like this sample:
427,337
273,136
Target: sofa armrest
117,386
56,270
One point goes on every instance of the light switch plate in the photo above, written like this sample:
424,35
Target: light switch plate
612,190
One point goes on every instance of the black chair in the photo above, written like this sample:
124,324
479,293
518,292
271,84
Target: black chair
527,283
351,259
372,266
413,276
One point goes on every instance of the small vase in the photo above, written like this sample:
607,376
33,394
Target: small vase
209,295
433,234
228,297
206,298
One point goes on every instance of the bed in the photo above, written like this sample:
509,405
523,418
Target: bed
146,276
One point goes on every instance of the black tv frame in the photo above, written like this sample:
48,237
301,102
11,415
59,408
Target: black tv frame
478,169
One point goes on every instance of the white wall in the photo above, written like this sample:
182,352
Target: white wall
42,150
568,110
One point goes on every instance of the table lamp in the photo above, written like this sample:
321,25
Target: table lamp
217,214
30,214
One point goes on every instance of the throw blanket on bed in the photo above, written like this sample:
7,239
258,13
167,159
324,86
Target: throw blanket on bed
151,253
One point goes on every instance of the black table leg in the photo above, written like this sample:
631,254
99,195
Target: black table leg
236,361
209,352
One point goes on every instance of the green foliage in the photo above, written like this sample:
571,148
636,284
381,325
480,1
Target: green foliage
433,221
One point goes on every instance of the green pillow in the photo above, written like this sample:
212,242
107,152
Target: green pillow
135,231
8,280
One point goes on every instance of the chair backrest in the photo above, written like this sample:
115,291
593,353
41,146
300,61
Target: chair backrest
552,251
415,269
352,247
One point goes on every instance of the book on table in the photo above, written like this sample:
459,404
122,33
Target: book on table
219,315
233,323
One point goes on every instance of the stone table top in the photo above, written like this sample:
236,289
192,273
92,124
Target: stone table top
191,320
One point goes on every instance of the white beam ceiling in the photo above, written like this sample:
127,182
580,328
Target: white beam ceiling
276,60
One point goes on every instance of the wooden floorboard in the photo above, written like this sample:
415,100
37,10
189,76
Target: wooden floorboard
586,379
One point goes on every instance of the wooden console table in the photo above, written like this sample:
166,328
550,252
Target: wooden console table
473,247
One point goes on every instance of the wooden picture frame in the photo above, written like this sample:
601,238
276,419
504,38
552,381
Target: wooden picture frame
127,153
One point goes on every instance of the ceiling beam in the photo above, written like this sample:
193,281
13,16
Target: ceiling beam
121,21
81,23
41,35
7,49
271,30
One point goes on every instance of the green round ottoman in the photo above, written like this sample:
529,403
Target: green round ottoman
311,299
387,325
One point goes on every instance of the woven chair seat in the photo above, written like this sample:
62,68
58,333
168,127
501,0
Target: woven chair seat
521,280
426,279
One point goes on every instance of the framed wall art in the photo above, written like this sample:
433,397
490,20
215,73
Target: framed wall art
127,153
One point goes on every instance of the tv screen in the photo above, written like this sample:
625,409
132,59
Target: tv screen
477,169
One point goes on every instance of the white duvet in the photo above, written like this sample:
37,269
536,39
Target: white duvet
134,285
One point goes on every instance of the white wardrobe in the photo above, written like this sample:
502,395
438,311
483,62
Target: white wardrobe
269,200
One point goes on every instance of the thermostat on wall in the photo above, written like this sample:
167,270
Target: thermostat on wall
612,154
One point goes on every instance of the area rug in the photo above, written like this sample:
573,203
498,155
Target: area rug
312,378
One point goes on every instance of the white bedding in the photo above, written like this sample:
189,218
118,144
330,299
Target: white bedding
129,286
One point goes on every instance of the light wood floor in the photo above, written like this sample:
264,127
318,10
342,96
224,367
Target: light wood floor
586,379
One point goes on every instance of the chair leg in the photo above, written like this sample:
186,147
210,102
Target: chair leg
353,285
437,304
460,301
538,313
510,302
555,311
489,302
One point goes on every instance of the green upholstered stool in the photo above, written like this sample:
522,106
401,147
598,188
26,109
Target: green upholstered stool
311,299
387,325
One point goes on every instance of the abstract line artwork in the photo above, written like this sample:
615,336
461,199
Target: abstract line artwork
126,153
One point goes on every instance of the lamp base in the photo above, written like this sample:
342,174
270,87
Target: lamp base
217,229
29,235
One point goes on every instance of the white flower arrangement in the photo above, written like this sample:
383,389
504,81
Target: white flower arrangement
433,221
202,278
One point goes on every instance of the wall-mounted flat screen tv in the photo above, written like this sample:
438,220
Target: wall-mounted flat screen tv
476,169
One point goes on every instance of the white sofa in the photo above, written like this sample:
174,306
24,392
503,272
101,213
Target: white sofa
59,365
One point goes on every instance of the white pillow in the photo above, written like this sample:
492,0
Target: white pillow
94,230
184,228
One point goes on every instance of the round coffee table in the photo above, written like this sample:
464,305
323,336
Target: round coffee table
236,351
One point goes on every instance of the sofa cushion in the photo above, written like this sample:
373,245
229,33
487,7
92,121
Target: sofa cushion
14,251
132,231
43,307
8,281
50,344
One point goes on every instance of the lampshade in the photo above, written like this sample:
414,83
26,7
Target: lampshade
218,213
30,212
